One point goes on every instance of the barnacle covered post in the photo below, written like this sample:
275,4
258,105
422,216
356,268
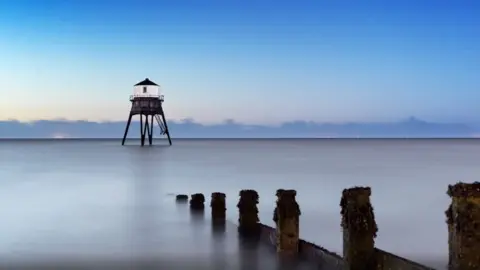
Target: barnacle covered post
248,213
218,206
359,229
197,201
287,217
465,231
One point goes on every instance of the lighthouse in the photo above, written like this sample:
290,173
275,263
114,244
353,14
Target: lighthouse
147,102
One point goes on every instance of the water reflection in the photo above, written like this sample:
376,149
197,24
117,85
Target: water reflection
197,216
248,247
218,229
219,245
145,203
181,203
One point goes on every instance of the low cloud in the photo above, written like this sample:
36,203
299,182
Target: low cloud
411,127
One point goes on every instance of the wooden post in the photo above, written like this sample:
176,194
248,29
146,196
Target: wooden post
287,217
197,201
464,227
181,198
217,204
359,229
451,237
248,213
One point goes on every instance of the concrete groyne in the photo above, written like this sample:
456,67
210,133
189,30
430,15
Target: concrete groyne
359,229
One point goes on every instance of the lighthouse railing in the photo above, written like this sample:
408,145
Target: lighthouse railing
132,97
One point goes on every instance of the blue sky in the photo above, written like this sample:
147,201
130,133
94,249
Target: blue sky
251,61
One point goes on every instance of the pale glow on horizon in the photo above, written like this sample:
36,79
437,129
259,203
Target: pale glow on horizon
200,113
60,136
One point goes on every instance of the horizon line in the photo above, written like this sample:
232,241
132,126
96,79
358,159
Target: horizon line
233,121
243,138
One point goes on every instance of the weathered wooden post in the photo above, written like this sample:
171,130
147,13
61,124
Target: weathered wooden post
248,213
181,198
464,227
287,218
218,206
359,229
451,237
197,201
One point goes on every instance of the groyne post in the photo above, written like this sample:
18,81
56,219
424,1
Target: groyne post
197,201
218,206
248,222
463,217
181,198
451,236
359,229
287,218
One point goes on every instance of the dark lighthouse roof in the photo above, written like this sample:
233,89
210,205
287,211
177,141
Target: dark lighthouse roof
146,82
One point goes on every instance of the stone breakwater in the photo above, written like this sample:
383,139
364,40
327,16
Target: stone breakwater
358,225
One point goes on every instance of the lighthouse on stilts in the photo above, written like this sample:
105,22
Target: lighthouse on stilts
147,102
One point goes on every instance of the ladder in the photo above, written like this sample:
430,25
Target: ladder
163,130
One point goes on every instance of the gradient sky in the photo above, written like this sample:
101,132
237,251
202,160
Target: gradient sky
252,61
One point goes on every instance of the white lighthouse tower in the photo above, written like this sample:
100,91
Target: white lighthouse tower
147,102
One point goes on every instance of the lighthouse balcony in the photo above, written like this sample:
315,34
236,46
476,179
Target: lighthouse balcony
146,96
146,106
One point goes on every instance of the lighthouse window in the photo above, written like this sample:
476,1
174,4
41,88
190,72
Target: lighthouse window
144,89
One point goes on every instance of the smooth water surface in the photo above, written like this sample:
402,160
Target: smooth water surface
97,198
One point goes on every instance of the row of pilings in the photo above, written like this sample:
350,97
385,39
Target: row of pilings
358,223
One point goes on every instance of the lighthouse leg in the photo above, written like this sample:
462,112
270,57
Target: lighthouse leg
126,129
166,129
150,132
141,129
144,133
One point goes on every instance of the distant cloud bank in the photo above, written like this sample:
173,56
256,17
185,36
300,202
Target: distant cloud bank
411,127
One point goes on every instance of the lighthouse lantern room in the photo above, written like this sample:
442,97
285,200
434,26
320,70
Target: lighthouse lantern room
146,88
147,101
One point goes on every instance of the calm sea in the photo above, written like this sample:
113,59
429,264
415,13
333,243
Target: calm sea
63,197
